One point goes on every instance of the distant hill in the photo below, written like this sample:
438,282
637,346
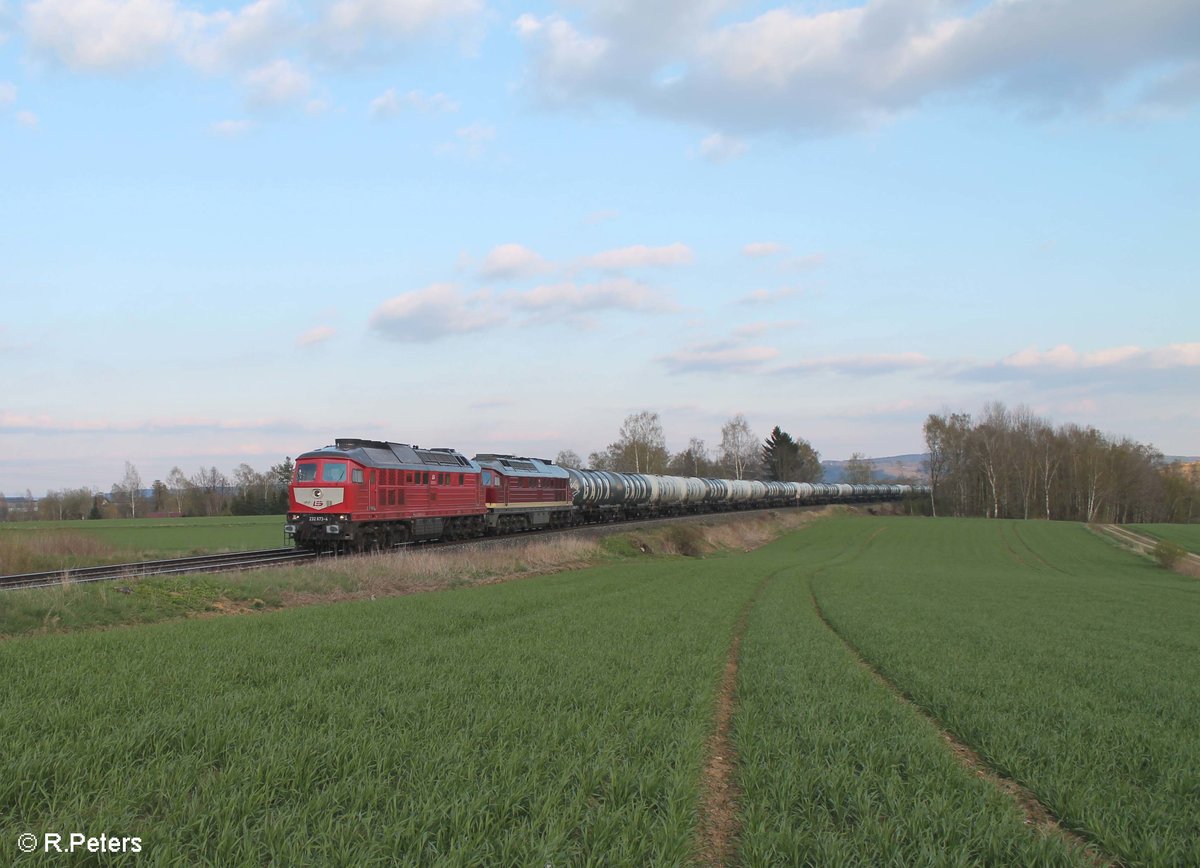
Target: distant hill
887,469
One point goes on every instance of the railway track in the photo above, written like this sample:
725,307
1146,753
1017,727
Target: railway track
222,563
237,561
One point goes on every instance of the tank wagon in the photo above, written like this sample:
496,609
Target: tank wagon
365,494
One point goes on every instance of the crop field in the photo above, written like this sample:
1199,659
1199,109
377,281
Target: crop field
1070,666
566,719
1184,535
48,545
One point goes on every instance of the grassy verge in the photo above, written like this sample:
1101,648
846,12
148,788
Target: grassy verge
69,607
27,547
1184,535
1065,661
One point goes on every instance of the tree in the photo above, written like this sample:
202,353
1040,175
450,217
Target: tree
738,446
179,486
641,439
3,507
858,470
129,490
787,459
568,458
693,461
161,496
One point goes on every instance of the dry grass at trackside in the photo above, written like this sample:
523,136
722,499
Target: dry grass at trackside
49,550
68,606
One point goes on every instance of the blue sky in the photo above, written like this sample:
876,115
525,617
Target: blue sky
235,231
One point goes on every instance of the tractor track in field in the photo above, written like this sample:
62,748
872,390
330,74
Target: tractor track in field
717,833
1037,815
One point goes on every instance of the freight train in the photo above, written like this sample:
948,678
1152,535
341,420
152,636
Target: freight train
358,495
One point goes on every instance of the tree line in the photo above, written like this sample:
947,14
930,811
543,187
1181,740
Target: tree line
1011,463
206,492
641,447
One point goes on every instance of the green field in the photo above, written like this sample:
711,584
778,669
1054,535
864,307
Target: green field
1184,535
49,545
563,720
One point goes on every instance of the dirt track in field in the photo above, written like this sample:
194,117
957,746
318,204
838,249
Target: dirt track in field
1144,545
717,834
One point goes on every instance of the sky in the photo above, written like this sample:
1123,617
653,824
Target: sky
235,231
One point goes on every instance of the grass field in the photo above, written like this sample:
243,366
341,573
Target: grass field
50,545
1069,665
564,719
1184,535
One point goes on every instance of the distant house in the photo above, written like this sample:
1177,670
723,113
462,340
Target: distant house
21,507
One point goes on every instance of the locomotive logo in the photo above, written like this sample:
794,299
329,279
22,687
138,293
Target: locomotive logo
317,498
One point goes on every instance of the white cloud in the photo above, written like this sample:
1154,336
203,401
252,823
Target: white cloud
639,256
720,148
866,364
231,129
8,93
102,35
757,329
614,294
469,140
1065,357
225,39
27,119
437,311
353,29
390,103
510,261
825,67
314,336
719,357
567,60
276,84
766,296
756,249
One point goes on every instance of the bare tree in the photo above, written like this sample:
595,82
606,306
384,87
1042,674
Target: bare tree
179,486
568,458
130,488
739,446
641,438
693,461
858,469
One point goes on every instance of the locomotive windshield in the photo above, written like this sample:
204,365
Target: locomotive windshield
306,471
333,471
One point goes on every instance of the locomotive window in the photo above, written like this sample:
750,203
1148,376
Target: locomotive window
306,472
487,477
460,479
425,478
356,475
333,471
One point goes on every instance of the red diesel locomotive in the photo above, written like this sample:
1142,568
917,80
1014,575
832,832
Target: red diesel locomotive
365,494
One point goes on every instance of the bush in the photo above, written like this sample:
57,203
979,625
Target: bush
1168,554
